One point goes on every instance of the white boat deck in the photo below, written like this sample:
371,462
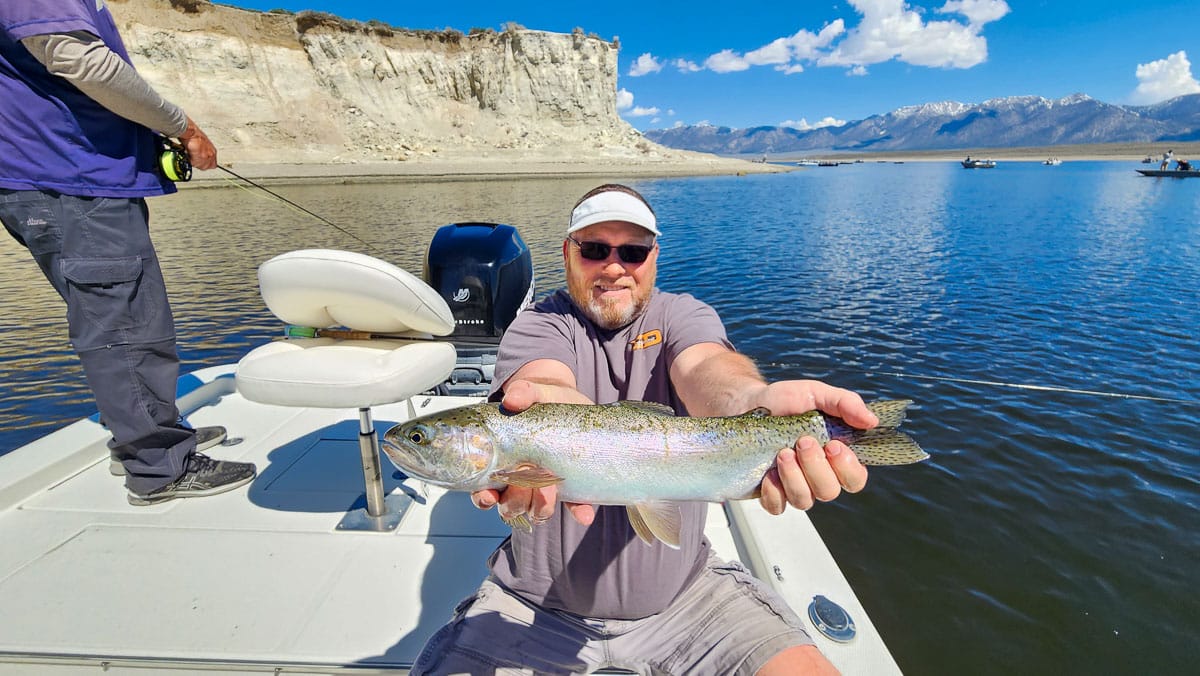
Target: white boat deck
265,579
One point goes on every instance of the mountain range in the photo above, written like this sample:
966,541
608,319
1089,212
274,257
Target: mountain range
1014,121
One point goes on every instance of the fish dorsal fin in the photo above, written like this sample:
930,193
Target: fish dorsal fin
645,406
527,476
656,521
759,412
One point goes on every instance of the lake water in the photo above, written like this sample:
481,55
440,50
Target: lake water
1043,319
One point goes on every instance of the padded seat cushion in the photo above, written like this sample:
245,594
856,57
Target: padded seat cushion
330,373
320,288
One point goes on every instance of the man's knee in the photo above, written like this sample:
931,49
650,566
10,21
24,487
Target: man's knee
801,659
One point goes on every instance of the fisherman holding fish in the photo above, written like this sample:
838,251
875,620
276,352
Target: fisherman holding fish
580,590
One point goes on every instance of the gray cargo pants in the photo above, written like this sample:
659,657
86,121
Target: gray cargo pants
97,253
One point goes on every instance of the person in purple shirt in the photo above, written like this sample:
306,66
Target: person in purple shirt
81,135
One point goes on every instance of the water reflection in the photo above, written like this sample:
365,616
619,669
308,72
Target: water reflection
1051,528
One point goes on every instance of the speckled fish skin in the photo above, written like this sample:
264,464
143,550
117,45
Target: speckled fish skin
628,452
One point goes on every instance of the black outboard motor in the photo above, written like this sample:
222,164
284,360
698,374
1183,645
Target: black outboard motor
484,271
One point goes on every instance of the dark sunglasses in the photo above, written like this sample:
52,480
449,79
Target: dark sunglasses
599,251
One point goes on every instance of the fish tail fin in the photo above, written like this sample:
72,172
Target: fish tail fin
883,444
656,521
885,447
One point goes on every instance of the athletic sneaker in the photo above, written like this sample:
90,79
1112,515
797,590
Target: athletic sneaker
206,438
204,476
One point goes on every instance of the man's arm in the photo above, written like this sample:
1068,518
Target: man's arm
539,381
86,62
713,380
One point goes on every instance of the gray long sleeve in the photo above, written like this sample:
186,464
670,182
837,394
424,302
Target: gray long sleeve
86,62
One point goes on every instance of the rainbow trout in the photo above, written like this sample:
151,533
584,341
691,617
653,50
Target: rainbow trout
636,454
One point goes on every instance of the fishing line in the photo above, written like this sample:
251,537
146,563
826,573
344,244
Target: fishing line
175,165
1021,386
1045,388
296,206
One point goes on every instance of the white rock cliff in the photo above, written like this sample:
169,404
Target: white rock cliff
310,87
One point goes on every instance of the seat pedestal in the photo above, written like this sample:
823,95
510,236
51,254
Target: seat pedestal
382,513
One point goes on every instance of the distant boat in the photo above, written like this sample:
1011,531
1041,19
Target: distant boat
806,163
1052,162
828,163
1170,173
1148,160
978,164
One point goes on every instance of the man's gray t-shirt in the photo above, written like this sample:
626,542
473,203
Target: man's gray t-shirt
604,570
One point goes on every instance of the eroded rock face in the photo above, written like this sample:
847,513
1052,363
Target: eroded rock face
312,87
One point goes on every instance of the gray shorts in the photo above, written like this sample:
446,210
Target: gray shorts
726,622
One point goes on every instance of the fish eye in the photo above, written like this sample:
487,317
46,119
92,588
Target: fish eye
417,436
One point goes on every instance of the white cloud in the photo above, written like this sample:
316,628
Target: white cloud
624,99
726,61
625,105
806,46
1164,79
890,29
645,64
785,54
803,124
626,108
639,111
978,12
775,53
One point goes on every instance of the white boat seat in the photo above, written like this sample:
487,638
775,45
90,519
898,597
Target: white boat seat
332,373
323,288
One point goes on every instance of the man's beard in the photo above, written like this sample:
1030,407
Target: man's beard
610,314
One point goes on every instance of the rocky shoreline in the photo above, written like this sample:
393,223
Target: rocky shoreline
492,166
510,165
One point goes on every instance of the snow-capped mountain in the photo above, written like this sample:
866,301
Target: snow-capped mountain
1012,121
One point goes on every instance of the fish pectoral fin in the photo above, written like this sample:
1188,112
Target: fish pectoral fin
519,521
656,521
527,476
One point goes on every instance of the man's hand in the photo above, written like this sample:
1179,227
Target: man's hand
538,503
807,472
201,151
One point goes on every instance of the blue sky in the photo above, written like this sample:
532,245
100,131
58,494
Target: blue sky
808,64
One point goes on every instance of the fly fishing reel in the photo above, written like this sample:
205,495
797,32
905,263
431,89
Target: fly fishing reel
173,161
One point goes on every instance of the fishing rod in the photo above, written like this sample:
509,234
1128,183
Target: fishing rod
177,166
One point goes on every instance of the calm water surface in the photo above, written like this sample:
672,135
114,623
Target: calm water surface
1055,530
